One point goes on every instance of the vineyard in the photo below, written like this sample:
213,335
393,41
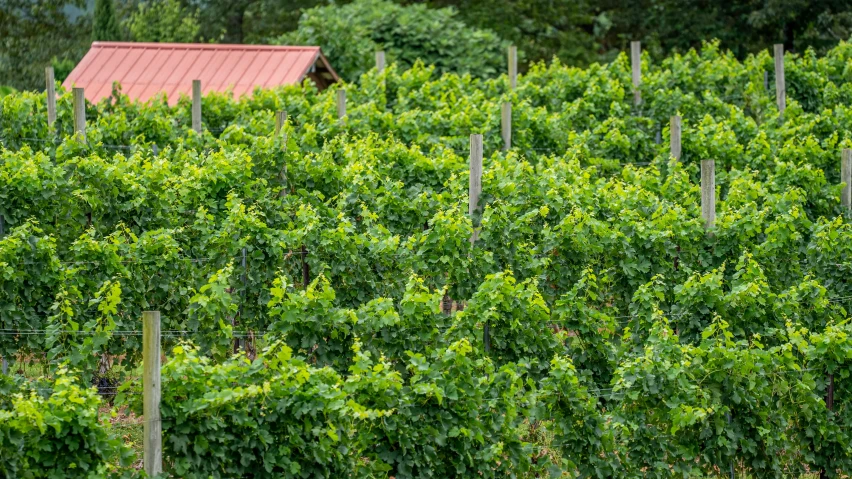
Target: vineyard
331,307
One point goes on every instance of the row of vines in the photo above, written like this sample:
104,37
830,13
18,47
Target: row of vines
624,340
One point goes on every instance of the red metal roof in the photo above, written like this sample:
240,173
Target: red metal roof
145,69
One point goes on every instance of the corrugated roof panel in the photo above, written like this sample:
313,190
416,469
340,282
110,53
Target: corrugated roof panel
146,69
250,75
220,79
289,73
141,74
108,70
267,68
241,67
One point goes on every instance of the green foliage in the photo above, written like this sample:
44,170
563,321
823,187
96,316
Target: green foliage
56,432
62,67
32,32
448,419
517,317
349,35
105,23
635,342
284,418
163,21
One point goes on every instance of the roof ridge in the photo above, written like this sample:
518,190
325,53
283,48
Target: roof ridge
204,46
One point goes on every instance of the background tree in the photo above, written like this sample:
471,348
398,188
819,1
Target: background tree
251,21
105,27
578,32
540,29
32,32
350,34
163,21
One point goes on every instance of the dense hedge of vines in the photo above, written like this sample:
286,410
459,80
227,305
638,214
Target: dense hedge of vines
637,343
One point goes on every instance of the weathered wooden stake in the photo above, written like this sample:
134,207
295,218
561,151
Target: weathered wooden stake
708,193
50,92
636,63
474,192
780,87
380,61
506,123
341,103
846,177
79,99
280,121
475,188
153,429
513,66
674,137
196,105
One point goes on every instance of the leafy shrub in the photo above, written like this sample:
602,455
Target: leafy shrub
275,416
53,429
349,35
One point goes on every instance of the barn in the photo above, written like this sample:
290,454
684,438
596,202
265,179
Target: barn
145,70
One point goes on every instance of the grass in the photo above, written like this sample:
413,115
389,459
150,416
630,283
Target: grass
129,428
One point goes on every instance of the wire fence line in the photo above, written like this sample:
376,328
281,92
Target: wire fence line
596,391
59,139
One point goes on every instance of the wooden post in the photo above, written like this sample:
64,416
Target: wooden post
79,98
380,61
475,186
280,121
708,193
513,66
50,91
780,88
196,106
636,63
674,137
766,81
341,103
153,429
474,192
506,123
846,177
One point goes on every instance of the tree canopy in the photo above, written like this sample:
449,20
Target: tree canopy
350,34
36,33
105,27
163,21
